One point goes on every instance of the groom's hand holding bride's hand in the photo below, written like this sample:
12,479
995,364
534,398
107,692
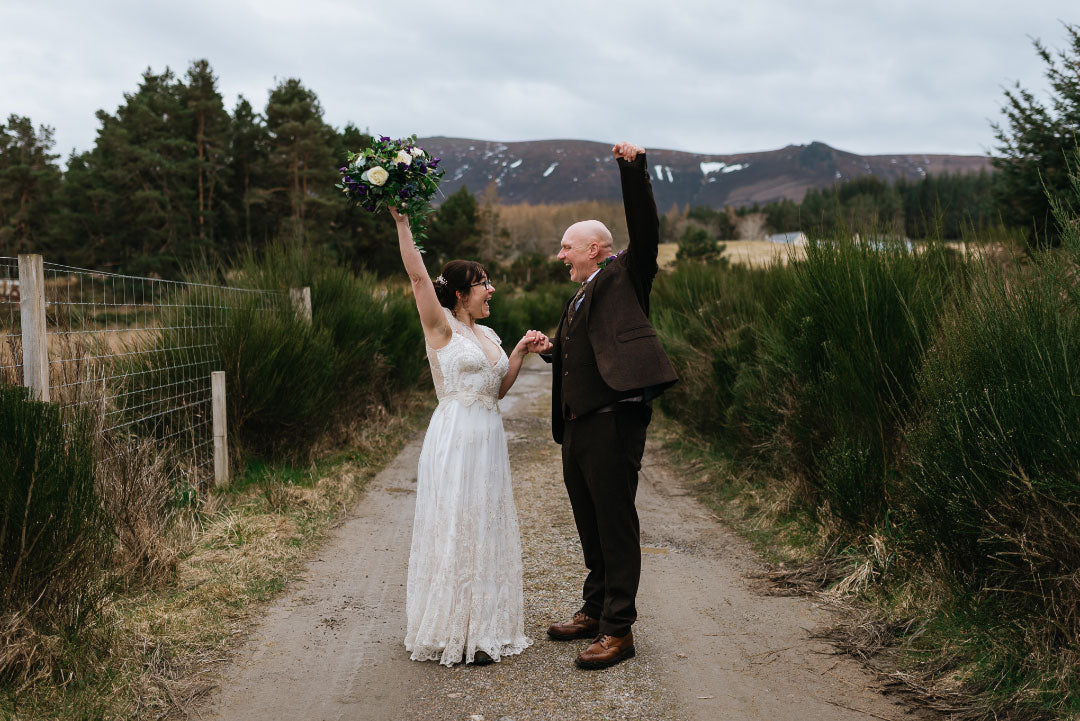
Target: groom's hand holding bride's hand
540,343
524,346
533,342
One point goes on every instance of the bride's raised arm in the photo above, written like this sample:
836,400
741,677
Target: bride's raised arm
436,328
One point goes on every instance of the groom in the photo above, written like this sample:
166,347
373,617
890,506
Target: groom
607,365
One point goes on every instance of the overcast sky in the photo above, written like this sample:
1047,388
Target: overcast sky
710,77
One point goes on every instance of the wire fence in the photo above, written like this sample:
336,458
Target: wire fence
10,353
137,351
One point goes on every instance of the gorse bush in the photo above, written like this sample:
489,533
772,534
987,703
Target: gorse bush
514,313
710,320
374,328
697,243
53,534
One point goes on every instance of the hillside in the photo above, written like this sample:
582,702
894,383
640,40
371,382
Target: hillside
559,171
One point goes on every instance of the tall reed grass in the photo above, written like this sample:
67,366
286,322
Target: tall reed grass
994,453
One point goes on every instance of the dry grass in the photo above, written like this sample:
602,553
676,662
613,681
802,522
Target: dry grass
196,582
136,491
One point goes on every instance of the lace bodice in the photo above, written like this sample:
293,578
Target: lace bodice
461,369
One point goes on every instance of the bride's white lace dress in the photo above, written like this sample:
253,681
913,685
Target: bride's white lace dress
464,589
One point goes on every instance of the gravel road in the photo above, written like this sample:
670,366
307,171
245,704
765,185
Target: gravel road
708,646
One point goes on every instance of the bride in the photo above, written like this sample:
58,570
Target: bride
463,598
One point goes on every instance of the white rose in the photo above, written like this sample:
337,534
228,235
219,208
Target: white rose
417,152
375,176
403,157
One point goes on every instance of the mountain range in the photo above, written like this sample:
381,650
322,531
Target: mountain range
562,171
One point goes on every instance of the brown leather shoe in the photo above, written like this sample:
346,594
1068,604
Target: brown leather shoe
606,651
580,626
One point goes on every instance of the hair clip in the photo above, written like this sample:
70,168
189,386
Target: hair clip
440,281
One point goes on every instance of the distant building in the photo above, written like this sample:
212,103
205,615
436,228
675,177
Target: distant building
794,238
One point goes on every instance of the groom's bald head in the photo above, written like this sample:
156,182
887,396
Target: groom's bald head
591,231
584,244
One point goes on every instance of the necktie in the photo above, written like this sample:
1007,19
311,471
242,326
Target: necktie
575,301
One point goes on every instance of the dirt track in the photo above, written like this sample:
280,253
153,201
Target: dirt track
709,647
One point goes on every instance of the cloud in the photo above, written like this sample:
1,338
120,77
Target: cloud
721,77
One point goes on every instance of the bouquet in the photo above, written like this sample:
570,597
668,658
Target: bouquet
393,173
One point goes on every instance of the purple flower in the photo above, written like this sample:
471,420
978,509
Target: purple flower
341,169
419,165
404,193
402,166
360,189
369,207
384,139
348,180
435,162
603,263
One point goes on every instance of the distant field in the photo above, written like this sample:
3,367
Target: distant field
741,252
762,252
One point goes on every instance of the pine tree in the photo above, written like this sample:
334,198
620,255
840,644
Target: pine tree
149,197
455,229
208,126
1035,141
248,153
139,172
29,183
301,162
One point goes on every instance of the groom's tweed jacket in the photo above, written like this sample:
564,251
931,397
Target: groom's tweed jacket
610,351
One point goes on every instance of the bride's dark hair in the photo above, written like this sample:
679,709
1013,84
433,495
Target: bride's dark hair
457,275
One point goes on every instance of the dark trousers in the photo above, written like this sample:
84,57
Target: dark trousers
601,458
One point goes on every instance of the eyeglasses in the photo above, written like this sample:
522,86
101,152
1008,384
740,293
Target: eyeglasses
486,283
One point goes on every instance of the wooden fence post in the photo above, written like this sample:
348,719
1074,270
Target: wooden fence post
221,442
301,302
35,347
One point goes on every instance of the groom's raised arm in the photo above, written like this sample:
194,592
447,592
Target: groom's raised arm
642,221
